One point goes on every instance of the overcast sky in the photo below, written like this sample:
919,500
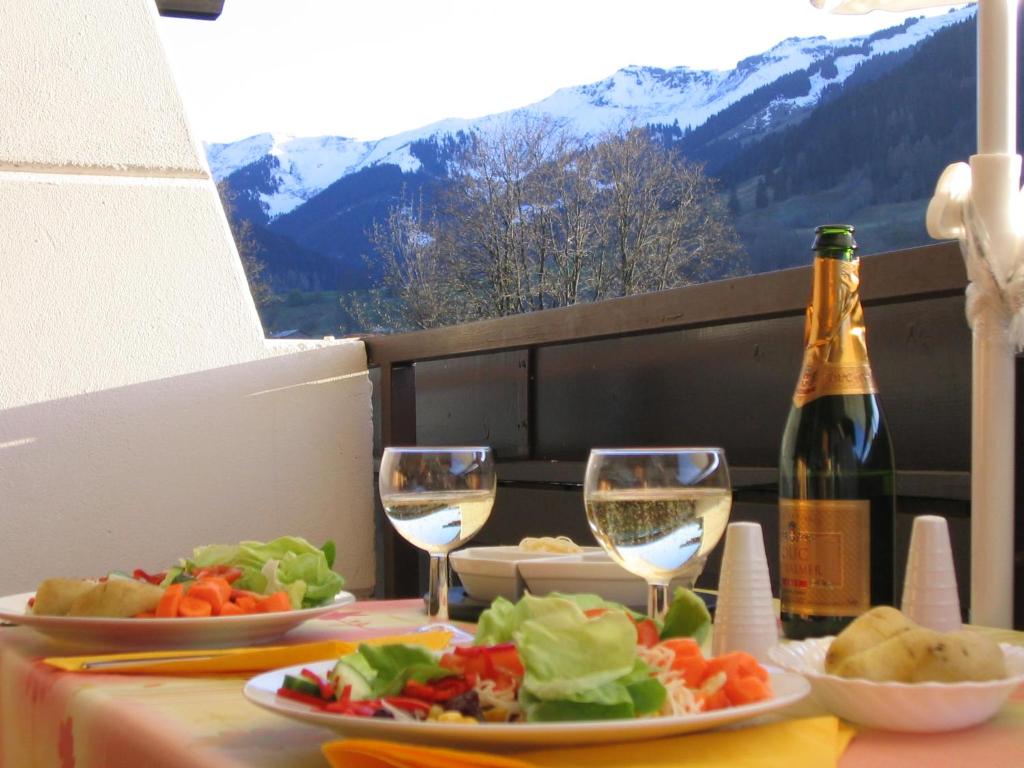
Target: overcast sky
372,69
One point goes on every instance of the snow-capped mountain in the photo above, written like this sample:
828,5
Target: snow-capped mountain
296,169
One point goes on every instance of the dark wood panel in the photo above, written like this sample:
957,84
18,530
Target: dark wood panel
731,385
476,400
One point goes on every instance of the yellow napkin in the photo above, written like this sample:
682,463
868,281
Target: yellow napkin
813,742
234,660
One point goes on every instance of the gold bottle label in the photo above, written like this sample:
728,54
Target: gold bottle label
825,556
835,346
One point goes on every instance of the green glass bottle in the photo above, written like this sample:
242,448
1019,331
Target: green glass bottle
836,470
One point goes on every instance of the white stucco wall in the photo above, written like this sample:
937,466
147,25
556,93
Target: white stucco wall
141,410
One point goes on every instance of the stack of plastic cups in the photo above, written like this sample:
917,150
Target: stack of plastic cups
930,595
745,613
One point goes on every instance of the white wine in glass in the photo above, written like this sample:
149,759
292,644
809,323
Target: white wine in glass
437,499
656,509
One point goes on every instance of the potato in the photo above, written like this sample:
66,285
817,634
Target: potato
960,656
117,598
922,655
55,596
867,630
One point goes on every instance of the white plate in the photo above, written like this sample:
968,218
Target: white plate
908,707
142,634
262,690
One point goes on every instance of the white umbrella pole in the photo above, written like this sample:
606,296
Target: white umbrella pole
995,177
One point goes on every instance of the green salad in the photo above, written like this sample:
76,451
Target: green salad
288,563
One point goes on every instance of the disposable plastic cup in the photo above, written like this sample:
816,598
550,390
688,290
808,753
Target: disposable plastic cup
745,613
930,596
757,642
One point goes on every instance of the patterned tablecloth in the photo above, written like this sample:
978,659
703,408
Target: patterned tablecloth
76,720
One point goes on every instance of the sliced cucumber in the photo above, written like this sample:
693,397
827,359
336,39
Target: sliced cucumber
345,674
301,685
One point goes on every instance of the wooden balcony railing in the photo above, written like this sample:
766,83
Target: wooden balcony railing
713,364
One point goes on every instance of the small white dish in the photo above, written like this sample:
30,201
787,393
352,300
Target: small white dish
594,571
146,634
490,572
907,707
262,690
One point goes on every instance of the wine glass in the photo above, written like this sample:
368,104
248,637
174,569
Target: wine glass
655,509
437,499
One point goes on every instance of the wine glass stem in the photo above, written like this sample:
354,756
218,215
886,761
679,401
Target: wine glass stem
437,597
657,600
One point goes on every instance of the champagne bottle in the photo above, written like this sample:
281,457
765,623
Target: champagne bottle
836,471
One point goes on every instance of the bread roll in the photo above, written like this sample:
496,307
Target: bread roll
55,596
117,598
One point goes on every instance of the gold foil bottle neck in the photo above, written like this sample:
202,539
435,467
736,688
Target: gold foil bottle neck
835,341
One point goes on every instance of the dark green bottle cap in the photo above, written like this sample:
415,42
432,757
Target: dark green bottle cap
834,236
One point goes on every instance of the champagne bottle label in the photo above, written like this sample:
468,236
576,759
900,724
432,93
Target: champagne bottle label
825,557
835,350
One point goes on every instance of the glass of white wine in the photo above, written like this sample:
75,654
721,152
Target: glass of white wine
656,509
437,499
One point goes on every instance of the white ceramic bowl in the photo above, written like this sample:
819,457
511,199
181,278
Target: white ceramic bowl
487,572
595,572
909,707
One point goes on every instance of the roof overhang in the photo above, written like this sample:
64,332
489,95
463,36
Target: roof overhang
207,10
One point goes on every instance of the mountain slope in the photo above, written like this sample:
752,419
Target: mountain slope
797,73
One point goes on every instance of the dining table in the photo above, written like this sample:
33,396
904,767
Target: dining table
94,719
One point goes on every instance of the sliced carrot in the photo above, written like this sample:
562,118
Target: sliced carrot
216,592
692,668
231,609
717,700
688,659
219,583
279,601
746,690
194,608
145,615
167,608
682,646
736,664
246,602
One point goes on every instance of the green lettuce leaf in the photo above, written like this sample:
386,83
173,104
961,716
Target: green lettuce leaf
687,616
576,667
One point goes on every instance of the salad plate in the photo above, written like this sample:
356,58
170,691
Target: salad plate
145,634
788,688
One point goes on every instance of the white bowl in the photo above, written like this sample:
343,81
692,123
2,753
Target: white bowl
909,707
595,572
489,572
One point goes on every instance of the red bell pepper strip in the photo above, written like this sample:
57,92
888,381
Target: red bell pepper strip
437,690
305,698
325,686
151,578
409,704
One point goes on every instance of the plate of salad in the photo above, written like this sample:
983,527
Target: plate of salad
223,595
546,671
